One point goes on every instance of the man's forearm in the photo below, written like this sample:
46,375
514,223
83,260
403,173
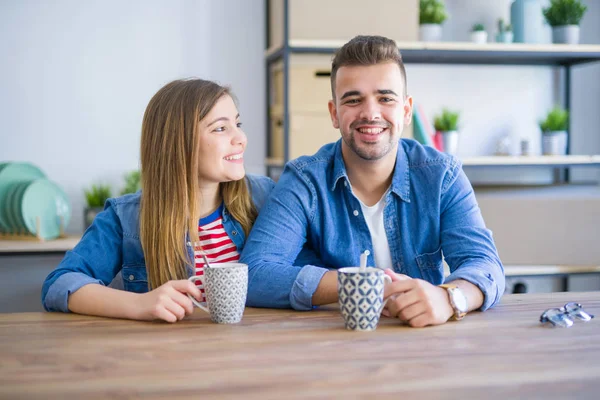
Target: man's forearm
326,292
472,293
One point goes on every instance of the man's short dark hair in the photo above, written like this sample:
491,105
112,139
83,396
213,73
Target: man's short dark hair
367,50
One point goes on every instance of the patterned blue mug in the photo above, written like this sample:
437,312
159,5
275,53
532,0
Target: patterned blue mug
361,297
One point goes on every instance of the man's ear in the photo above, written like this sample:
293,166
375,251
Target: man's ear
333,114
408,110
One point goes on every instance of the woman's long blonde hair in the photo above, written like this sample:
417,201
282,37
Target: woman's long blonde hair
170,187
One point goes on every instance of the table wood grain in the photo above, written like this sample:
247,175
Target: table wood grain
502,353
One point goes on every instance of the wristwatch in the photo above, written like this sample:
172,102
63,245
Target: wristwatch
458,301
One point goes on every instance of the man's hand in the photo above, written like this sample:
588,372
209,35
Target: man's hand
416,301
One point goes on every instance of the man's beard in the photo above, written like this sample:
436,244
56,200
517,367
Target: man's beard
374,151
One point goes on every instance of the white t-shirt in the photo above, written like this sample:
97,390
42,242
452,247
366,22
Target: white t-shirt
374,218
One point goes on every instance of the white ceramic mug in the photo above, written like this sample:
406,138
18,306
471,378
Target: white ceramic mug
361,297
226,288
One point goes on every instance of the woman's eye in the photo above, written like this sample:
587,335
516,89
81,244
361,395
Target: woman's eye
219,129
239,124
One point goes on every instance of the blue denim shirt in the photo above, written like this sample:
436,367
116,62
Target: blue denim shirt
112,245
430,210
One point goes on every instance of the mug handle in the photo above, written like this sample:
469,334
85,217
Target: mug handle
386,280
196,303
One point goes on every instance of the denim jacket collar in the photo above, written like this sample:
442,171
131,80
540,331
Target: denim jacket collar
400,179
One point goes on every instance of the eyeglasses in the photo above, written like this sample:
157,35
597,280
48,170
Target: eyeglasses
565,315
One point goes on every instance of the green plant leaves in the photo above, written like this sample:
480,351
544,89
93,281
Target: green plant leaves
132,182
478,28
97,195
564,12
557,120
432,12
446,122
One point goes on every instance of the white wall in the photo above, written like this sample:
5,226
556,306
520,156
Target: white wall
76,77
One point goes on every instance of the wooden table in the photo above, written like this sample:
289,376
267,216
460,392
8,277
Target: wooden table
502,353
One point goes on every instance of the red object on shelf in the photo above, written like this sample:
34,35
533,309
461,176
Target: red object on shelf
437,140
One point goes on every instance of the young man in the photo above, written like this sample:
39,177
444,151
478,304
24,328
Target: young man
405,203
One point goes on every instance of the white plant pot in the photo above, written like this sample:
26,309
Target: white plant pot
554,143
430,32
566,34
450,141
479,37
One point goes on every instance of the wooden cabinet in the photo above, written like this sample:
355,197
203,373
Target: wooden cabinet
342,19
309,92
299,83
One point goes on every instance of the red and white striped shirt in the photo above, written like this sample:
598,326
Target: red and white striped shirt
216,244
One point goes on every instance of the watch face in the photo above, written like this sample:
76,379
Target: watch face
460,301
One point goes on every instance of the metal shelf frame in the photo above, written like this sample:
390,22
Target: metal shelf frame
443,53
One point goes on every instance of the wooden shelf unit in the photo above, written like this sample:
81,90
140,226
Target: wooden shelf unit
285,39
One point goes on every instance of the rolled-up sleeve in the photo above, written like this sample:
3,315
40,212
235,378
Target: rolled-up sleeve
467,244
95,259
57,296
482,276
305,286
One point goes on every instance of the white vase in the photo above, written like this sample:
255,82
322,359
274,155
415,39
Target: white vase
479,37
554,143
566,34
430,32
450,141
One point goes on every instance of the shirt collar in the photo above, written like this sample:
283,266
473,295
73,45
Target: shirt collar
400,180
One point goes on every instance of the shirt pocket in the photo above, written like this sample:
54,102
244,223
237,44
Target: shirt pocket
431,266
135,278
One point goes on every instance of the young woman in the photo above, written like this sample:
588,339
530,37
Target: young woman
194,191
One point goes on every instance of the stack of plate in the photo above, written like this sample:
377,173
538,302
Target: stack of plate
30,203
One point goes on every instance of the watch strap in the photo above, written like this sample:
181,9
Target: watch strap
458,315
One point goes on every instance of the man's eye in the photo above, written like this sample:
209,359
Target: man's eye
387,99
352,101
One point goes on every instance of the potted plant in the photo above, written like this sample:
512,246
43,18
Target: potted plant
447,124
478,34
432,13
132,182
96,196
554,132
505,34
564,17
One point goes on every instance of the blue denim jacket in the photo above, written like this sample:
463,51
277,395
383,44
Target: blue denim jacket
430,210
112,245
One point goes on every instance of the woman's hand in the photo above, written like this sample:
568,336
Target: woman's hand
168,302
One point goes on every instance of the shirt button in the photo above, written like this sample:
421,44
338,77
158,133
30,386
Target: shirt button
131,277
355,213
234,233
